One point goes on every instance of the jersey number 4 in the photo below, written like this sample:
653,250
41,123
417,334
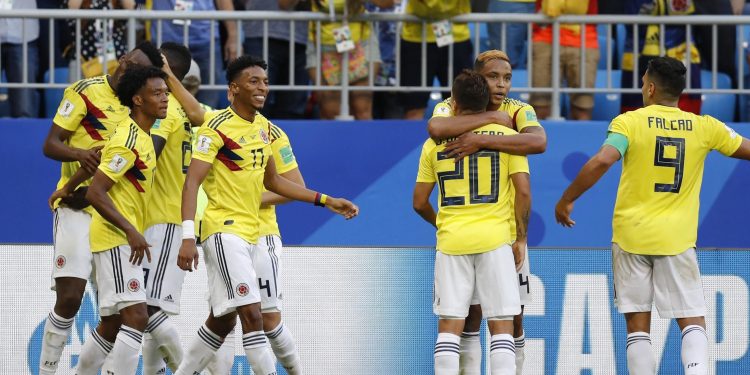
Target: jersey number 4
458,174
677,162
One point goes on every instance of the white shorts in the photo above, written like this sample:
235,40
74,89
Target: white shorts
491,274
72,256
267,261
672,282
162,275
524,286
231,274
120,283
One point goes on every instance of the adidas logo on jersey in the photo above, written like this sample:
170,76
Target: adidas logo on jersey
110,109
168,298
242,140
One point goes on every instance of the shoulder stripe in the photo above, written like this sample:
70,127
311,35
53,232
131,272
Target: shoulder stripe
88,82
275,131
216,121
132,136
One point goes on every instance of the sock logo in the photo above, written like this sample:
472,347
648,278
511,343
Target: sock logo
134,285
242,289
693,364
60,261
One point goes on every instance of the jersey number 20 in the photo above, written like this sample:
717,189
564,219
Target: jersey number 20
458,174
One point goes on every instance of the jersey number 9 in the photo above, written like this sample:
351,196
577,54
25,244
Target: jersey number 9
677,162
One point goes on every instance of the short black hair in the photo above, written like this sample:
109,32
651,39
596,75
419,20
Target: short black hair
471,91
241,63
133,79
178,56
152,53
669,75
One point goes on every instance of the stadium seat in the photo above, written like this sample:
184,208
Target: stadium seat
720,106
435,98
601,32
53,97
606,105
520,80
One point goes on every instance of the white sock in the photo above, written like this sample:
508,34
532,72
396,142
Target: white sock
258,354
153,363
56,332
282,343
641,359
470,350
93,353
223,360
200,352
165,333
123,359
446,354
520,343
502,355
694,350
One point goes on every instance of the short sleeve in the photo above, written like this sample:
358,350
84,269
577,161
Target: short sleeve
283,155
525,117
166,126
443,109
723,138
426,171
71,111
207,144
116,160
518,164
620,126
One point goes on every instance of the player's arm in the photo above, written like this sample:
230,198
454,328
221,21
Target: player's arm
441,127
100,200
270,198
522,186
159,143
532,140
744,151
196,173
591,172
55,148
66,192
190,104
280,185
421,202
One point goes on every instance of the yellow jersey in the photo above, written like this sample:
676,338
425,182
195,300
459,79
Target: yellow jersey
359,30
128,159
523,116
91,111
238,151
285,161
171,165
656,212
474,194
432,11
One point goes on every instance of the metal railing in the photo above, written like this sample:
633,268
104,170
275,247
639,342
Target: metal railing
132,17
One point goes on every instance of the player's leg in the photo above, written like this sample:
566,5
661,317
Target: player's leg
470,350
268,269
71,269
163,293
634,295
497,288
223,360
99,344
679,295
524,291
454,286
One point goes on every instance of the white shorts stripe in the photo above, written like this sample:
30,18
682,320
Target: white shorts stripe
223,267
161,265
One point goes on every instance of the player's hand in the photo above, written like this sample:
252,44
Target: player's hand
342,207
58,194
138,247
519,253
500,117
165,68
466,144
90,159
562,213
188,256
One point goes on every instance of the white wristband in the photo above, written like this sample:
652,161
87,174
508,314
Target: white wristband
188,230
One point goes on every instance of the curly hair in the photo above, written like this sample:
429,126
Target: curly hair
152,53
241,63
134,78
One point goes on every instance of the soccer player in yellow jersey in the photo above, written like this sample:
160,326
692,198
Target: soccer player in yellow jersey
495,66
655,222
232,153
474,252
120,192
163,279
87,116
